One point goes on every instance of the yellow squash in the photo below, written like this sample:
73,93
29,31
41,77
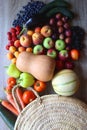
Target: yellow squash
40,66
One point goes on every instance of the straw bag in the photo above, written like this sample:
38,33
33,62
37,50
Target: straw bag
53,112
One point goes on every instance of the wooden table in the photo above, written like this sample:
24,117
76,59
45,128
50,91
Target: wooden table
8,11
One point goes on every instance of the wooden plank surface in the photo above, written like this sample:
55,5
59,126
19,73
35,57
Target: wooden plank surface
8,11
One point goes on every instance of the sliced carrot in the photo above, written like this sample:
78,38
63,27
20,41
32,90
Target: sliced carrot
8,105
19,94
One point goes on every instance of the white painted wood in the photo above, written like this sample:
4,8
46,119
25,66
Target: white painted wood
8,11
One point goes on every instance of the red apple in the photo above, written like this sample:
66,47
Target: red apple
46,31
25,40
37,29
52,53
37,38
59,65
63,55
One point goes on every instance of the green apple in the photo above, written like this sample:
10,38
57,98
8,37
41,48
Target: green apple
38,49
26,80
59,44
48,43
13,71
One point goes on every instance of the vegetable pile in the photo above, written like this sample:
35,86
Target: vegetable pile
41,44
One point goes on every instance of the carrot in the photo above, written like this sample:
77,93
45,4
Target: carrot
11,100
19,94
8,105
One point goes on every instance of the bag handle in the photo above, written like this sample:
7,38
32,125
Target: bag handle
15,96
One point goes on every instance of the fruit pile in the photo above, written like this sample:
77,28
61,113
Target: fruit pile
46,30
57,39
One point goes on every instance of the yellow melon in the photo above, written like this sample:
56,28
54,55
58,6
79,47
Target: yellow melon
65,82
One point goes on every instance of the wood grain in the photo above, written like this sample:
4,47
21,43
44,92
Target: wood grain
8,11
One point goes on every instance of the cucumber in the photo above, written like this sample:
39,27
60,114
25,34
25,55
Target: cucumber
8,117
56,3
61,10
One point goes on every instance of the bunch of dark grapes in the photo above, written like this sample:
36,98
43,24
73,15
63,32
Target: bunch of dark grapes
77,37
28,11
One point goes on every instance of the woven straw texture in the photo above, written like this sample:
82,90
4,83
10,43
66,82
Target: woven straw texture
52,112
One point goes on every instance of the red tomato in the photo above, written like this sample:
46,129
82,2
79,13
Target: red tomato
75,54
9,88
28,96
39,86
11,81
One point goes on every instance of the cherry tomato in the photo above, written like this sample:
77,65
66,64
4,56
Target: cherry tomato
39,86
9,88
11,81
28,96
75,54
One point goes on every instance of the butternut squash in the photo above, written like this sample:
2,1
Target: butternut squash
40,66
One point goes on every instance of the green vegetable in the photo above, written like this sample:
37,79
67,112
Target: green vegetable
13,71
8,117
26,80
53,4
61,10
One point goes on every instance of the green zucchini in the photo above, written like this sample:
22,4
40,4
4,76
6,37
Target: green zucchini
61,10
8,117
51,5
